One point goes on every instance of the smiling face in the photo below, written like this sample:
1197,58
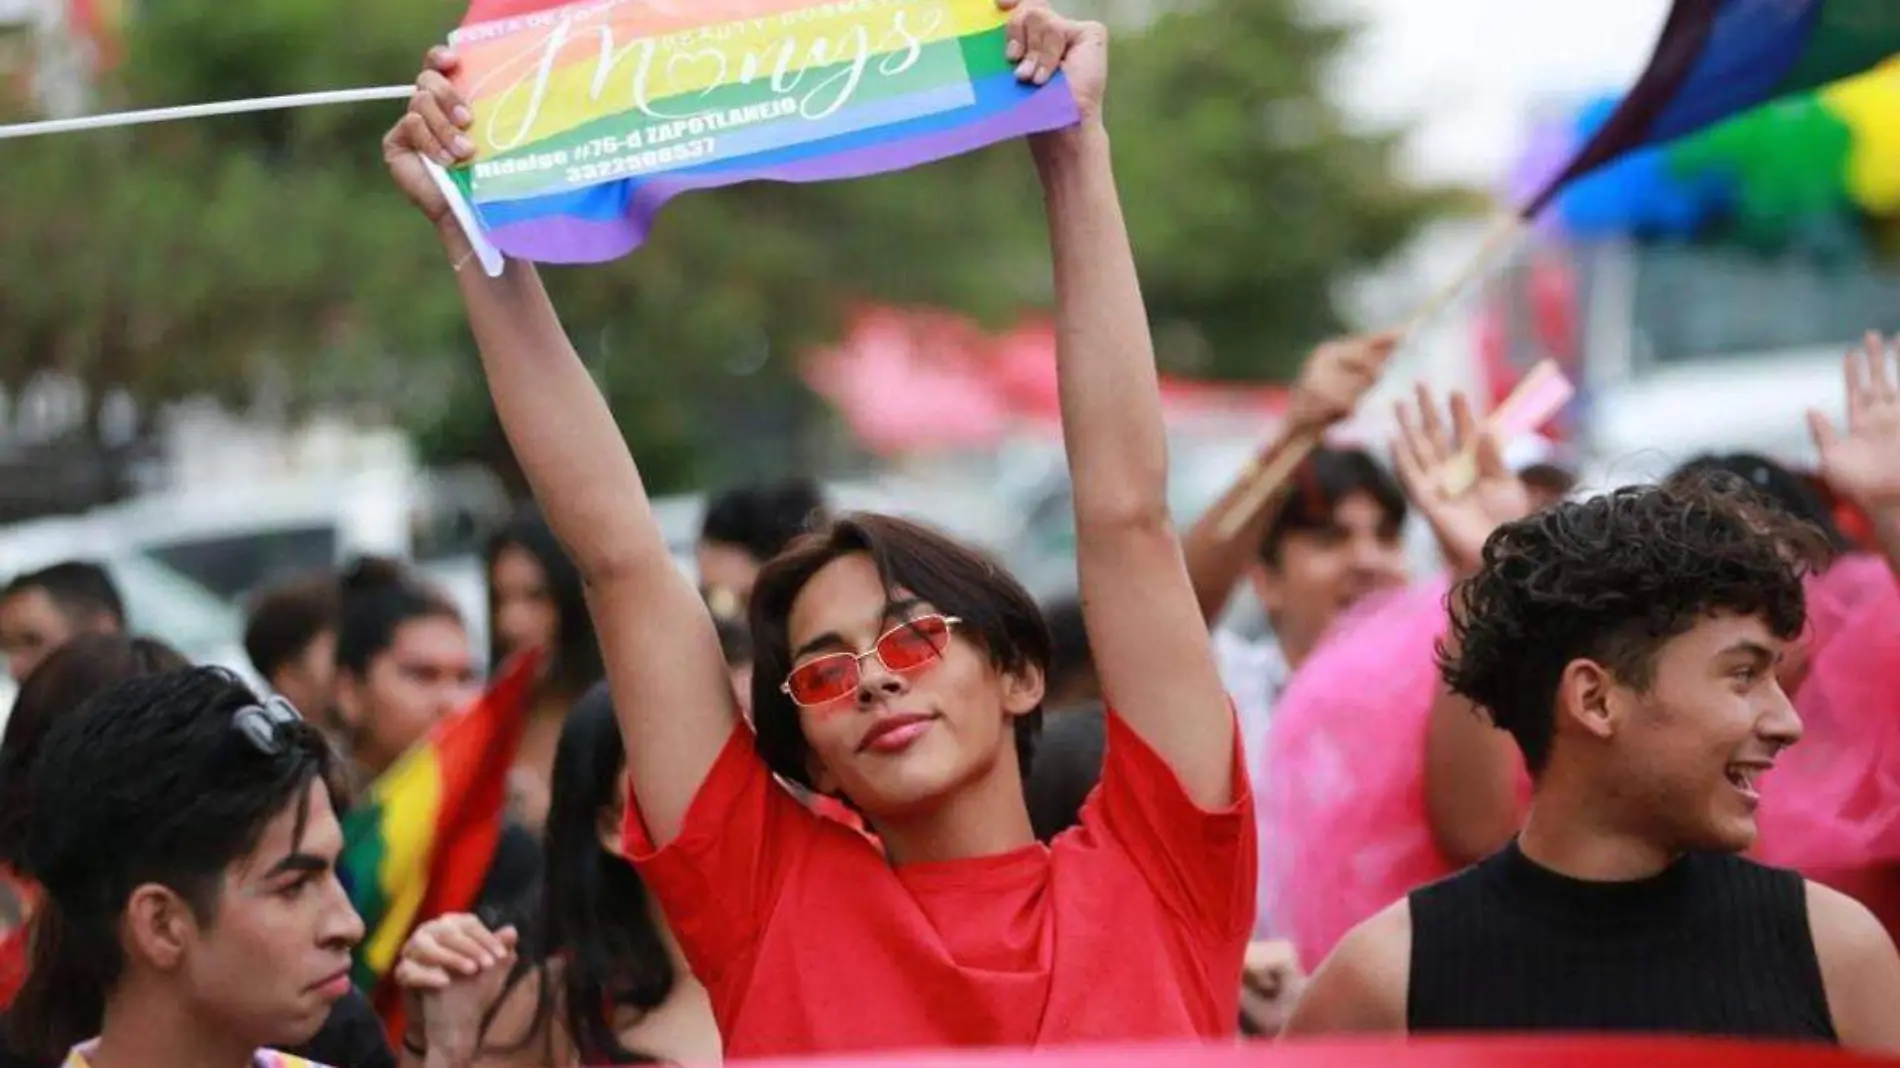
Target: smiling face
900,742
1687,754
273,954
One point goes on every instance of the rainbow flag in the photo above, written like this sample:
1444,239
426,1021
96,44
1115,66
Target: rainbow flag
590,115
420,841
1717,59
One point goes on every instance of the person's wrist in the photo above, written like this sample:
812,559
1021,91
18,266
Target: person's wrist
1071,144
448,230
1886,523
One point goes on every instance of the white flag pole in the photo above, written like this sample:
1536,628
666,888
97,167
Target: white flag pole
199,111
491,258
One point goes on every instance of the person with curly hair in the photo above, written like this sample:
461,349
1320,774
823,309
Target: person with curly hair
1628,645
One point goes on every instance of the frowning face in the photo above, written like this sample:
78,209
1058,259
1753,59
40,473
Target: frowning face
274,955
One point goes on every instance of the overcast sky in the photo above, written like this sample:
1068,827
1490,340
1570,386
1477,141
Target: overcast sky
1468,71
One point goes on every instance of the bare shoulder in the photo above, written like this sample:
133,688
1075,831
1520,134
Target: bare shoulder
1860,970
1841,920
680,1030
1363,984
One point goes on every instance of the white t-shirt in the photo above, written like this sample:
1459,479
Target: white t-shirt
1255,673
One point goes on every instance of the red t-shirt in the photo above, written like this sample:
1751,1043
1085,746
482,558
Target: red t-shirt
13,964
1131,926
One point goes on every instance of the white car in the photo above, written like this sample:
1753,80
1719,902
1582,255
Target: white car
159,601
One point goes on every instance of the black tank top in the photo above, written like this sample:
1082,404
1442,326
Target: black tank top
1714,945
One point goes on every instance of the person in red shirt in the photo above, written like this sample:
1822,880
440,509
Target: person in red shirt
904,673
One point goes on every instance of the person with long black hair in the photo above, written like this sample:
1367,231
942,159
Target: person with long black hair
599,979
535,600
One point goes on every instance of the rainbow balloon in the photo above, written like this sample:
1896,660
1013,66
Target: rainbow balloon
590,115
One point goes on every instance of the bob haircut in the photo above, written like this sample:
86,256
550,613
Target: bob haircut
998,614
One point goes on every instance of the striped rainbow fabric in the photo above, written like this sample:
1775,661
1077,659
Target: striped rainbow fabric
419,843
591,115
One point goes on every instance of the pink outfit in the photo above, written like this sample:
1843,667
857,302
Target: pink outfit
1833,801
1343,824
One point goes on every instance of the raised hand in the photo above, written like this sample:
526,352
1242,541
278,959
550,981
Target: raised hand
1425,448
1042,42
451,972
433,129
1335,378
1864,464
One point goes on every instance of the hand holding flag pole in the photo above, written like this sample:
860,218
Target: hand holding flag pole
1271,470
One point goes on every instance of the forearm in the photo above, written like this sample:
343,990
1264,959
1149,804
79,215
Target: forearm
1215,563
1145,627
556,421
1110,396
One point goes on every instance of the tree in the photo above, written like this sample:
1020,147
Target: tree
213,255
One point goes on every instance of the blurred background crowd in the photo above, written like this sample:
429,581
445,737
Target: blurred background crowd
220,364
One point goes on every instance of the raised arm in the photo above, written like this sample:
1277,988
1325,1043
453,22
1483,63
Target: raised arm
1332,380
1864,463
1471,768
1144,624
662,654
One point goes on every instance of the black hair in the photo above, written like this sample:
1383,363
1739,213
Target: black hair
376,597
78,587
998,614
74,674
1613,579
735,641
762,518
153,783
286,618
1318,487
1784,488
593,913
576,664
1071,661
1068,768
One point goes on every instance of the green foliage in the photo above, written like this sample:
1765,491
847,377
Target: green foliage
191,257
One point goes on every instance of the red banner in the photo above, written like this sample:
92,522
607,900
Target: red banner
1516,1052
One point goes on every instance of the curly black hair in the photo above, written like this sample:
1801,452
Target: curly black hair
1613,579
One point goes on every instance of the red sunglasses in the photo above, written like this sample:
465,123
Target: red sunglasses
906,647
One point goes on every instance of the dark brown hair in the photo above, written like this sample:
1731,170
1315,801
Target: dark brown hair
1614,579
576,657
1320,485
998,614
286,618
71,676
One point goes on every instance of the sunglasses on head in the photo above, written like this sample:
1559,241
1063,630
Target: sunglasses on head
906,647
268,726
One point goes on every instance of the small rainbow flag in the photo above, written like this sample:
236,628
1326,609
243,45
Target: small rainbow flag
590,115
419,843
1719,58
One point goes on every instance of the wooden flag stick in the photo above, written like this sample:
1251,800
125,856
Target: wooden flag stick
1270,471
200,111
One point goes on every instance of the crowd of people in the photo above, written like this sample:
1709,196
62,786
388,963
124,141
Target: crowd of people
855,790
